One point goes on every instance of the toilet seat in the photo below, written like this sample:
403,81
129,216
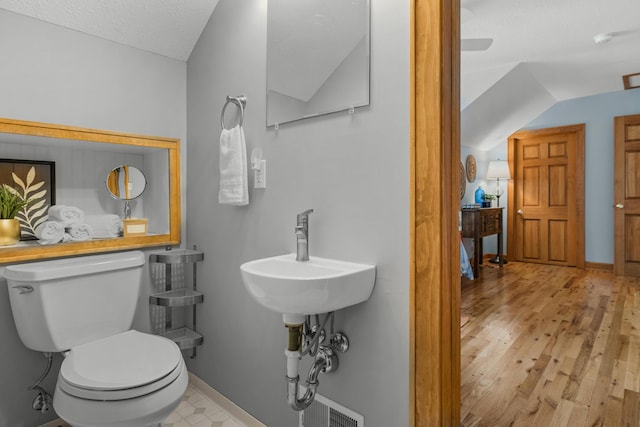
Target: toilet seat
119,367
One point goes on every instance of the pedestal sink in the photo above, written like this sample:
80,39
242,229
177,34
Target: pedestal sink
296,289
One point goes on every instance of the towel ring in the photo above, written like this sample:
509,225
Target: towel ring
240,101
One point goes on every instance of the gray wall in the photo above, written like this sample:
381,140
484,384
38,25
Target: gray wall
353,170
55,75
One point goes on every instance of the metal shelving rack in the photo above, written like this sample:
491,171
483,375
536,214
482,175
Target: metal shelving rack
185,337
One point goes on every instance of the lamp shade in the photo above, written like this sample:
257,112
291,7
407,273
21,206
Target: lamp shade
498,169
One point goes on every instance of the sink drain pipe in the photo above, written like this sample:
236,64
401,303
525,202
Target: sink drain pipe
325,360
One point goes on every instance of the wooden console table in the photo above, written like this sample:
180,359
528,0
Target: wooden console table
478,223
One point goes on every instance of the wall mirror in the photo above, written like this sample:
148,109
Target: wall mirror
317,58
83,158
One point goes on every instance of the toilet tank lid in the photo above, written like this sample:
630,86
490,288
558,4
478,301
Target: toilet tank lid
70,267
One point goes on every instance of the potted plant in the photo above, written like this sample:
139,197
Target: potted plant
487,200
10,204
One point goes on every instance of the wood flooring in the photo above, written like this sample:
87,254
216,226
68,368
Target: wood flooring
550,346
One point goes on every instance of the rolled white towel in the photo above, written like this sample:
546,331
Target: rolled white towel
80,232
67,215
104,226
50,232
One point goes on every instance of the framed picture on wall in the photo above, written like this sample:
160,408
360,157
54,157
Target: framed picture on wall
33,180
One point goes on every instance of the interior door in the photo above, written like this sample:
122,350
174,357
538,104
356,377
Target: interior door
546,196
627,195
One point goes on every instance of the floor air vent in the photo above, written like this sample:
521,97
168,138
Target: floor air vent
327,413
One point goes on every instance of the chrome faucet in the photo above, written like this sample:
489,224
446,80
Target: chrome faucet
302,233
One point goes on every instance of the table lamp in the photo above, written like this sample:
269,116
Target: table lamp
498,169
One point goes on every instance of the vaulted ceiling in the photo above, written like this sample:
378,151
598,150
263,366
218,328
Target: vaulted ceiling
166,27
543,51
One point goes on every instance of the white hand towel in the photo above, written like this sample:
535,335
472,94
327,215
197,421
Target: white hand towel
104,226
80,232
234,181
50,232
67,215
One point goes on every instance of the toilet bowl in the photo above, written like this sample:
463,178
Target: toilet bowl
130,379
83,307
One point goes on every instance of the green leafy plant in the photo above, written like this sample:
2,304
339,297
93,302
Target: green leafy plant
489,197
10,202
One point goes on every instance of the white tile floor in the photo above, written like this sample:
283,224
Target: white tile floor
195,410
198,410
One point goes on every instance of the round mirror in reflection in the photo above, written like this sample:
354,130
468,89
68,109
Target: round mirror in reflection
126,182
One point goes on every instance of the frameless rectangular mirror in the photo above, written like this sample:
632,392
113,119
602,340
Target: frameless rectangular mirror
317,58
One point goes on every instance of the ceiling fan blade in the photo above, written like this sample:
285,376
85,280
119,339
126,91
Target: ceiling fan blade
468,45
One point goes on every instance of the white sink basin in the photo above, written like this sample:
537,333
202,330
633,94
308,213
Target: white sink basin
317,286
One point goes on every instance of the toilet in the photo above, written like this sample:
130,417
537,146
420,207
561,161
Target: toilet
83,307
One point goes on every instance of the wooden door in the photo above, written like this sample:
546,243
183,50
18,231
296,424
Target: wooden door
626,194
546,196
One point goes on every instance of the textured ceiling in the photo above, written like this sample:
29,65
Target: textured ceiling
546,45
166,27
555,39
543,52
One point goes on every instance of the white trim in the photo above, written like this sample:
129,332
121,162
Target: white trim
219,399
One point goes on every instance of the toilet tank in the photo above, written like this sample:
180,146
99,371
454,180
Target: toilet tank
61,303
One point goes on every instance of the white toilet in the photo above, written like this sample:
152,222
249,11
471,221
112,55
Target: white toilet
84,307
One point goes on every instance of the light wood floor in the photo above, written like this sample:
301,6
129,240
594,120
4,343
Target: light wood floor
550,346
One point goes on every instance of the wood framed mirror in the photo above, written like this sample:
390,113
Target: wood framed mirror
77,151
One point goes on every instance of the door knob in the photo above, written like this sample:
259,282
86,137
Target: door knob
620,206
519,211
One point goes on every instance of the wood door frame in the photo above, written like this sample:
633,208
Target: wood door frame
579,130
434,377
